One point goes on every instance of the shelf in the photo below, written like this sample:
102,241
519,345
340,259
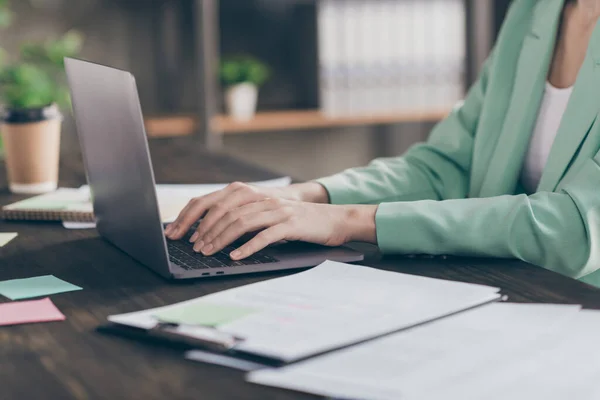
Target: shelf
170,125
180,125
311,119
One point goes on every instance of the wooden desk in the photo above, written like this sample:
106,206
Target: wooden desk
69,360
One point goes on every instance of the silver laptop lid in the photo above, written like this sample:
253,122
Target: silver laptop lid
113,141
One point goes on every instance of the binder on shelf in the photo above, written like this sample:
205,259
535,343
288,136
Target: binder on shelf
390,55
354,56
385,55
326,55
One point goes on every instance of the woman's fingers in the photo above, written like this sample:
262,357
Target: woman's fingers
191,213
260,241
240,196
229,218
245,224
197,208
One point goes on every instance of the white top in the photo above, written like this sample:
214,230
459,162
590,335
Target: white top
554,105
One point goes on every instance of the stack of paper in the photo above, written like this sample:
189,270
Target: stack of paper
495,352
328,307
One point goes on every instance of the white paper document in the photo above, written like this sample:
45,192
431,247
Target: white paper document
192,191
79,225
173,198
495,352
196,190
330,306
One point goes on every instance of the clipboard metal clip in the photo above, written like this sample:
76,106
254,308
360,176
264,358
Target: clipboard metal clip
197,335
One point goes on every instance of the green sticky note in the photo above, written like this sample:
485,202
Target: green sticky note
58,200
205,314
39,286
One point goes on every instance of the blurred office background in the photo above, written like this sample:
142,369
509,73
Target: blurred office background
350,80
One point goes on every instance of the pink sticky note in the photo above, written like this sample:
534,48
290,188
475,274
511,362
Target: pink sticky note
26,312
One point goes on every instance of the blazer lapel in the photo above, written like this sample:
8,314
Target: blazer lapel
581,113
532,70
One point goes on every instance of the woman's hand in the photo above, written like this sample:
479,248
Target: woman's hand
214,206
280,219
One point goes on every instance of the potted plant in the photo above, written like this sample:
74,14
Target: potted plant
32,90
242,76
5,20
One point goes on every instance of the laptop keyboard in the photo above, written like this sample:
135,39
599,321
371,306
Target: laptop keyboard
181,252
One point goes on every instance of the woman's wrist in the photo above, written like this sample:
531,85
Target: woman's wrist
310,192
360,223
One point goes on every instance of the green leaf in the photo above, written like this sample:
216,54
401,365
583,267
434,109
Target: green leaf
72,42
27,86
63,98
6,18
3,57
6,15
243,69
38,78
257,74
67,46
33,53
230,73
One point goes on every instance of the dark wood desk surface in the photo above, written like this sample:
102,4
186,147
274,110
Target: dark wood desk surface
69,360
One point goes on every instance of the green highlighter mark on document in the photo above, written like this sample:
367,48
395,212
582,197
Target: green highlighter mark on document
203,314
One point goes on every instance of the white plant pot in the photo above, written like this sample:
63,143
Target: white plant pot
241,101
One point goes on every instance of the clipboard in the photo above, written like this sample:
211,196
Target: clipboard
290,319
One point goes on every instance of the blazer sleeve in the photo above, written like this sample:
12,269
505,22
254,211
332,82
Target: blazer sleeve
438,169
556,230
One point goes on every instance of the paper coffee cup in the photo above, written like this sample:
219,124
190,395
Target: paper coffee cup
32,149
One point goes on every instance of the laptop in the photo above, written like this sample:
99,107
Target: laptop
119,171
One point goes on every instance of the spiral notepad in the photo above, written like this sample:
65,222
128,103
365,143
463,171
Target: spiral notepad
62,205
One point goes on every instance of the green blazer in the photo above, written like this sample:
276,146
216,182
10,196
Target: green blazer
459,193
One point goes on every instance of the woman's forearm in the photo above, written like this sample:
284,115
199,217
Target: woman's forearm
360,223
310,192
